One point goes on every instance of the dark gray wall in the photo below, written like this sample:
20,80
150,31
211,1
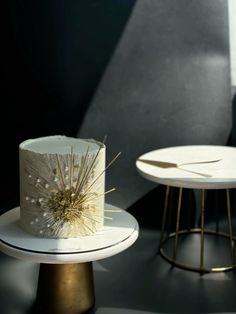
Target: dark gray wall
53,54
167,84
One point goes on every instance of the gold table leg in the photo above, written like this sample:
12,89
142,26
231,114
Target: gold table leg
65,288
177,225
164,214
202,231
231,242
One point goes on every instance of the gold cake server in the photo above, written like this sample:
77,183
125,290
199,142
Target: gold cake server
165,164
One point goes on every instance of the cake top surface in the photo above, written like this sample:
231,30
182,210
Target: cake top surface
59,144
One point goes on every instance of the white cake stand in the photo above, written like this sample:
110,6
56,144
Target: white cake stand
65,279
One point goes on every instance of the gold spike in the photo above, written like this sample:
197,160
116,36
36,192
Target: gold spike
110,163
61,174
88,171
81,170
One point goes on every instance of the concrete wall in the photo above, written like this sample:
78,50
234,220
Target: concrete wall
232,28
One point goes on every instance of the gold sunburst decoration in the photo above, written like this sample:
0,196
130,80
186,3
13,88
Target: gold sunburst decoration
63,198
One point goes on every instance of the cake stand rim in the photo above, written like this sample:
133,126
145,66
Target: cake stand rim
72,257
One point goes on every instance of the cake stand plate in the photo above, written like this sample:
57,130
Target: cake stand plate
65,283
116,235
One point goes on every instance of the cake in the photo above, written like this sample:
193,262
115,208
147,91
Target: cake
62,182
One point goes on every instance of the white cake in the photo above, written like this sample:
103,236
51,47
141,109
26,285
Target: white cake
62,184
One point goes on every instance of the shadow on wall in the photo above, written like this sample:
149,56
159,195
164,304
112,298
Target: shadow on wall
232,140
162,88
53,58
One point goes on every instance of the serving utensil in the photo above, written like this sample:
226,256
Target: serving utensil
165,164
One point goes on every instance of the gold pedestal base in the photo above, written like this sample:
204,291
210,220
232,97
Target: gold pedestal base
65,288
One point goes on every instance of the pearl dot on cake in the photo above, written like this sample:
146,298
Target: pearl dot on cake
32,200
46,185
36,219
66,169
56,179
27,198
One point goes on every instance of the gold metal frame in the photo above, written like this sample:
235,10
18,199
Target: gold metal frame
202,231
65,288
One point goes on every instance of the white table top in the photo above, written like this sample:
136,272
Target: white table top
116,236
215,175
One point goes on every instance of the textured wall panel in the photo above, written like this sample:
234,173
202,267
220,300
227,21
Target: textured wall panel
167,84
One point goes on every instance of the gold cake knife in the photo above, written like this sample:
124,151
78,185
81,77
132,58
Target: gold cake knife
165,164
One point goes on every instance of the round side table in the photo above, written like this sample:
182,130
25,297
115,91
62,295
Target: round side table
65,283
196,167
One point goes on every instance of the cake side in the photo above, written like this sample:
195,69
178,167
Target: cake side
62,194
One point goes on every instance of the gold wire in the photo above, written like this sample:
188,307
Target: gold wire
177,224
164,214
61,175
202,229
231,242
81,170
111,162
88,170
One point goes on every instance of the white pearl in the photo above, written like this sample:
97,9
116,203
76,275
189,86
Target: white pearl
48,225
44,214
27,198
66,168
56,179
32,222
41,231
32,200
38,180
40,200
36,219
29,176
46,185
